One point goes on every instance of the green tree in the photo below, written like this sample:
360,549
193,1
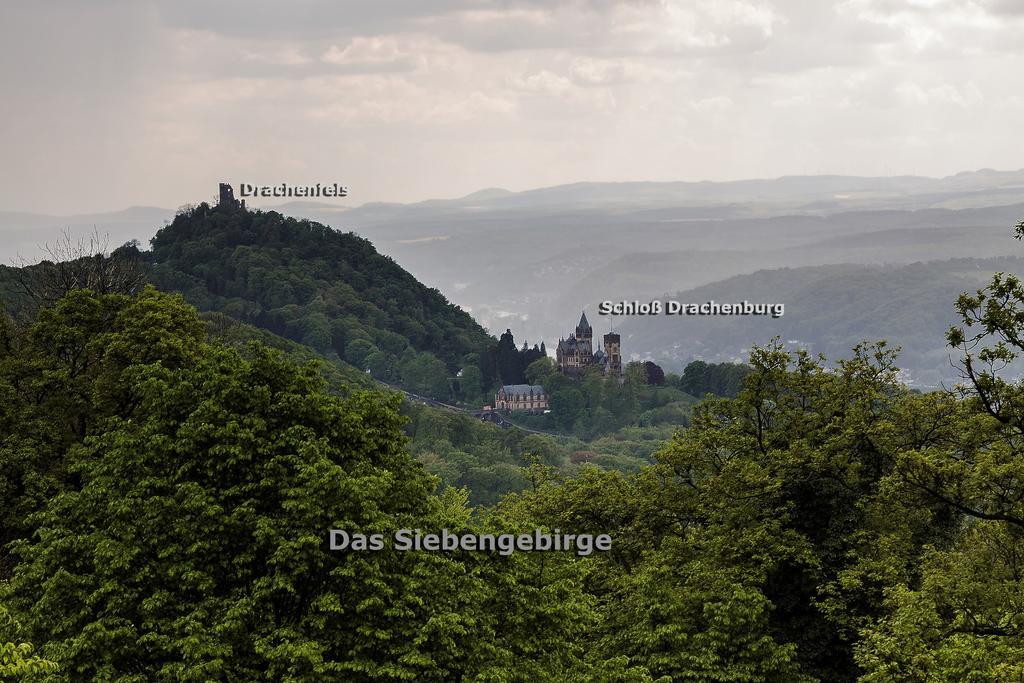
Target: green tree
725,550
509,360
541,449
958,616
358,350
17,660
567,405
65,375
425,374
469,381
317,332
721,379
540,371
196,545
188,539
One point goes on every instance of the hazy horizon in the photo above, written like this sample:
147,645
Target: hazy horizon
151,103
345,203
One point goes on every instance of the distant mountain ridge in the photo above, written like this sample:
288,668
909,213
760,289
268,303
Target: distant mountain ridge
829,309
811,192
703,199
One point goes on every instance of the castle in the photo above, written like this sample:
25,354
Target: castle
227,198
575,354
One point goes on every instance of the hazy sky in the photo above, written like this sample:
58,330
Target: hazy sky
109,103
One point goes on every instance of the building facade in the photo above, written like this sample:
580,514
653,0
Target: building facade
521,397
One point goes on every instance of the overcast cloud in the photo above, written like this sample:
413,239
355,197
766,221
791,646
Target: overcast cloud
107,104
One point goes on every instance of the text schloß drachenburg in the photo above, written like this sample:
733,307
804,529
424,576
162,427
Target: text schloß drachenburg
673,307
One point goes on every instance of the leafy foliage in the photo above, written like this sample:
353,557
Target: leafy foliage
16,659
749,513
721,379
184,531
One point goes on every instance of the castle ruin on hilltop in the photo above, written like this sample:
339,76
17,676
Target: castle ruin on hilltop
227,198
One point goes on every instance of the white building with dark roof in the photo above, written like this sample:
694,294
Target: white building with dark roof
517,397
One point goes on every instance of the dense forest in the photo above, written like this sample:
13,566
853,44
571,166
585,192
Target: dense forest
167,498
169,478
326,289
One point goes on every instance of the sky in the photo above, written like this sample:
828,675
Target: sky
114,103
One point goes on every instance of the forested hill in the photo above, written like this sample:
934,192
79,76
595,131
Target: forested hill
829,309
310,283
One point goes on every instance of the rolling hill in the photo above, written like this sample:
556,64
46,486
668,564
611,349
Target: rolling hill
304,281
829,309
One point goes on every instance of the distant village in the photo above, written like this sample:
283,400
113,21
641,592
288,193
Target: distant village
574,356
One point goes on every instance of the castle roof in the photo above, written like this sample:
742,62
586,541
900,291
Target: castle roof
584,325
522,390
573,344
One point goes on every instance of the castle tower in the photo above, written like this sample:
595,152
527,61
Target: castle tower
613,351
584,342
227,198
583,330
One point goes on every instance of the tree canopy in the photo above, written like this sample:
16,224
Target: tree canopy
168,498
328,290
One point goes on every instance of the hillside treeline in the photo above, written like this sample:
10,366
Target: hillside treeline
328,290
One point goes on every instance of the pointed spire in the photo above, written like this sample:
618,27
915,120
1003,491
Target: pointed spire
584,325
